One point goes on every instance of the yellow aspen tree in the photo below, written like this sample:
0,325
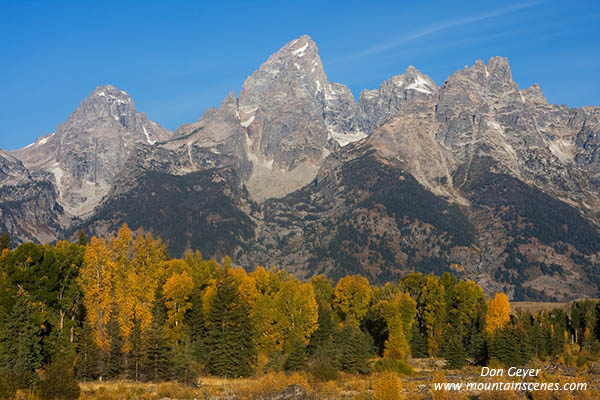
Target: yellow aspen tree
396,345
296,312
264,324
238,274
351,298
267,282
248,291
261,278
399,314
498,313
432,304
176,292
96,281
207,297
124,278
387,386
146,272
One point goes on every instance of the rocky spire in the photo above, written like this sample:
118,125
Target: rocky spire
401,92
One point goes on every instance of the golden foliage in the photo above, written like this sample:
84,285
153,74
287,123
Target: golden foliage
498,313
387,386
95,279
399,314
176,291
352,295
119,279
296,312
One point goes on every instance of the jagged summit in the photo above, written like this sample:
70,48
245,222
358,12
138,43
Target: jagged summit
476,172
399,94
91,147
495,77
534,94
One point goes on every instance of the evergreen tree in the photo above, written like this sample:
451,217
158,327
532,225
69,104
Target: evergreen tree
322,340
156,360
476,348
21,341
297,359
82,238
115,362
356,348
5,242
454,350
418,344
232,349
510,346
88,355
184,368
136,354
196,326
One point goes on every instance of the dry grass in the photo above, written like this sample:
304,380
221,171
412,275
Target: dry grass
127,390
359,387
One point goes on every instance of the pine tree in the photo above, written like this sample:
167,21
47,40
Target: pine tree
5,242
323,349
477,349
86,367
115,358
322,340
418,344
184,368
196,325
297,359
454,350
232,349
136,353
356,349
156,359
82,238
21,341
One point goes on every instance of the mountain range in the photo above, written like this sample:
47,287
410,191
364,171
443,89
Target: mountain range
476,176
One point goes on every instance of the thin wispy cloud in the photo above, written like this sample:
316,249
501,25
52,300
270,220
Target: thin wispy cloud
435,28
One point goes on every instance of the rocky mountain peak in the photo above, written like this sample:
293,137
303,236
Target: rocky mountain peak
534,94
398,94
295,71
105,101
494,77
91,147
293,118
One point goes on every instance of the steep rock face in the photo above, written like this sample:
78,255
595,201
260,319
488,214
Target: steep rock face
28,207
287,119
402,94
86,152
294,118
216,140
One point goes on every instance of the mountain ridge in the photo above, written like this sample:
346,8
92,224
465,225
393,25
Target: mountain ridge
294,171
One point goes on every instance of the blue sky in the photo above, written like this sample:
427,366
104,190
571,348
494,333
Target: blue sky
178,58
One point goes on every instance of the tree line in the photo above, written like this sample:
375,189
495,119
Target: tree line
122,308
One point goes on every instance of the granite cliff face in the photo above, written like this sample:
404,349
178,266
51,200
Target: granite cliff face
476,176
91,147
28,206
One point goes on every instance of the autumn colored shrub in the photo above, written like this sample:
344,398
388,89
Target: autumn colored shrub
387,386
